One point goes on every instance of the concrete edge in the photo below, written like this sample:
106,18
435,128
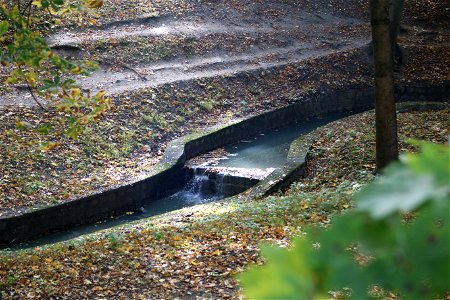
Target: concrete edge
292,171
299,152
169,174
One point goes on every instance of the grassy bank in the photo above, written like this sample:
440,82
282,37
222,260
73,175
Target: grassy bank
196,252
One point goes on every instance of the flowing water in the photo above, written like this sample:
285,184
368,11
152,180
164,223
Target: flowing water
264,151
197,191
269,149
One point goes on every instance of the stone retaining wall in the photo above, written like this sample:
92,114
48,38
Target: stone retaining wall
170,175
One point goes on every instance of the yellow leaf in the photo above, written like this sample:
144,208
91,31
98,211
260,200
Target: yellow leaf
37,3
75,92
94,3
76,70
100,95
49,146
20,124
48,260
193,262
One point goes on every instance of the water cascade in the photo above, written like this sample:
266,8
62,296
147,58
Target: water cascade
243,165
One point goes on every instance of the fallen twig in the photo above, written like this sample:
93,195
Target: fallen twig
115,63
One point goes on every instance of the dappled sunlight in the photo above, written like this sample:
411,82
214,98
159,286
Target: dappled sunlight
162,30
171,75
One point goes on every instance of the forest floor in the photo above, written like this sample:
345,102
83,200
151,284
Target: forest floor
195,253
180,67
175,67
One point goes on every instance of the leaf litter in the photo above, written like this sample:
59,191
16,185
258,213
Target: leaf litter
195,252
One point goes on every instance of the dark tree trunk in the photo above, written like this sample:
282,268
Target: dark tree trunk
399,54
395,15
386,119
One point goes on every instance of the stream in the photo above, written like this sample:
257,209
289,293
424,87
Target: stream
269,149
264,151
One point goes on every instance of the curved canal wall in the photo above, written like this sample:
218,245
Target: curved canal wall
170,174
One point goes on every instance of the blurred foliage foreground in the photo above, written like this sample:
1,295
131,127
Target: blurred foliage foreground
394,243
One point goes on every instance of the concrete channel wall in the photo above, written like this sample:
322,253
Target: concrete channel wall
170,175
223,182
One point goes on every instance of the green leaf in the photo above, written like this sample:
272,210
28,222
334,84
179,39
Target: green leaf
74,131
4,27
286,275
21,125
45,3
408,185
44,128
434,159
410,258
402,190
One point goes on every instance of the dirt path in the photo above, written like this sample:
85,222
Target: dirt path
192,26
203,67
225,42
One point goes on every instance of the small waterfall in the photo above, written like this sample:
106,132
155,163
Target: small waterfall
204,186
199,184
219,184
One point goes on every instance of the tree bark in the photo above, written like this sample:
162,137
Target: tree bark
385,114
395,15
399,54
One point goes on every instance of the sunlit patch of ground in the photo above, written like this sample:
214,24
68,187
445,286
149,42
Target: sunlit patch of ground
195,252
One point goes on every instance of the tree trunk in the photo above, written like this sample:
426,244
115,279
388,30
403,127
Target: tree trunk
399,54
386,119
395,15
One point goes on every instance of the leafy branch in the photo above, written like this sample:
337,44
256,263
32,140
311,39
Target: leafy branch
29,60
397,240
